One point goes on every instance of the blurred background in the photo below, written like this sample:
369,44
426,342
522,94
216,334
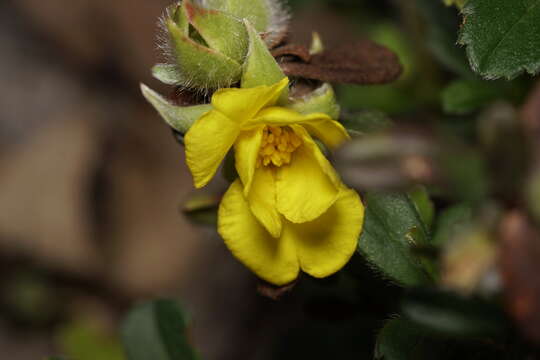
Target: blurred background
92,184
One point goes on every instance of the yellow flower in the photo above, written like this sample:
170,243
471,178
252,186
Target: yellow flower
320,247
287,190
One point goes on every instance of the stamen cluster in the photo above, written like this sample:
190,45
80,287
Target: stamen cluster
278,145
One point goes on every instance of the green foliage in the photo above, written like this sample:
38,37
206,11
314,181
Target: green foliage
424,206
157,331
502,37
392,228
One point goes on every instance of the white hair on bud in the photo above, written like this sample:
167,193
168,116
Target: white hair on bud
163,38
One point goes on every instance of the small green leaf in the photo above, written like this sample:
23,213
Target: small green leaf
448,314
424,206
220,31
157,331
200,66
450,222
366,122
502,37
322,100
179,118
386,240
260,67
465,96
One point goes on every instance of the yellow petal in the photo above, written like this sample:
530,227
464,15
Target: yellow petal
243,104
246,152
273,260
262,200
320,125
207,143
326,244
309,185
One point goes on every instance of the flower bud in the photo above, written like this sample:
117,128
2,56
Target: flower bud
207,41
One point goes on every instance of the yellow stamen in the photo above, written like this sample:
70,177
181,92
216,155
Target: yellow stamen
277,146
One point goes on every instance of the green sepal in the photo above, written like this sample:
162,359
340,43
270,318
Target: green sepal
179,118
257,12
167,74
260,67
220,31
200,66
322,100
180,18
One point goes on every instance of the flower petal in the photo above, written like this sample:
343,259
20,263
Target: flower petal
309,185
327,243
243,104
262,200
273,260
207,143
246,152
320,125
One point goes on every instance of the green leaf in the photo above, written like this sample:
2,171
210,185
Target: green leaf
502,37
179,118
450,222
402,340
387,241
157,331
322,100
447,314
465,96
220,31
366,122
260,67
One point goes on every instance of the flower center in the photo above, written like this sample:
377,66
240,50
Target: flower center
278,144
